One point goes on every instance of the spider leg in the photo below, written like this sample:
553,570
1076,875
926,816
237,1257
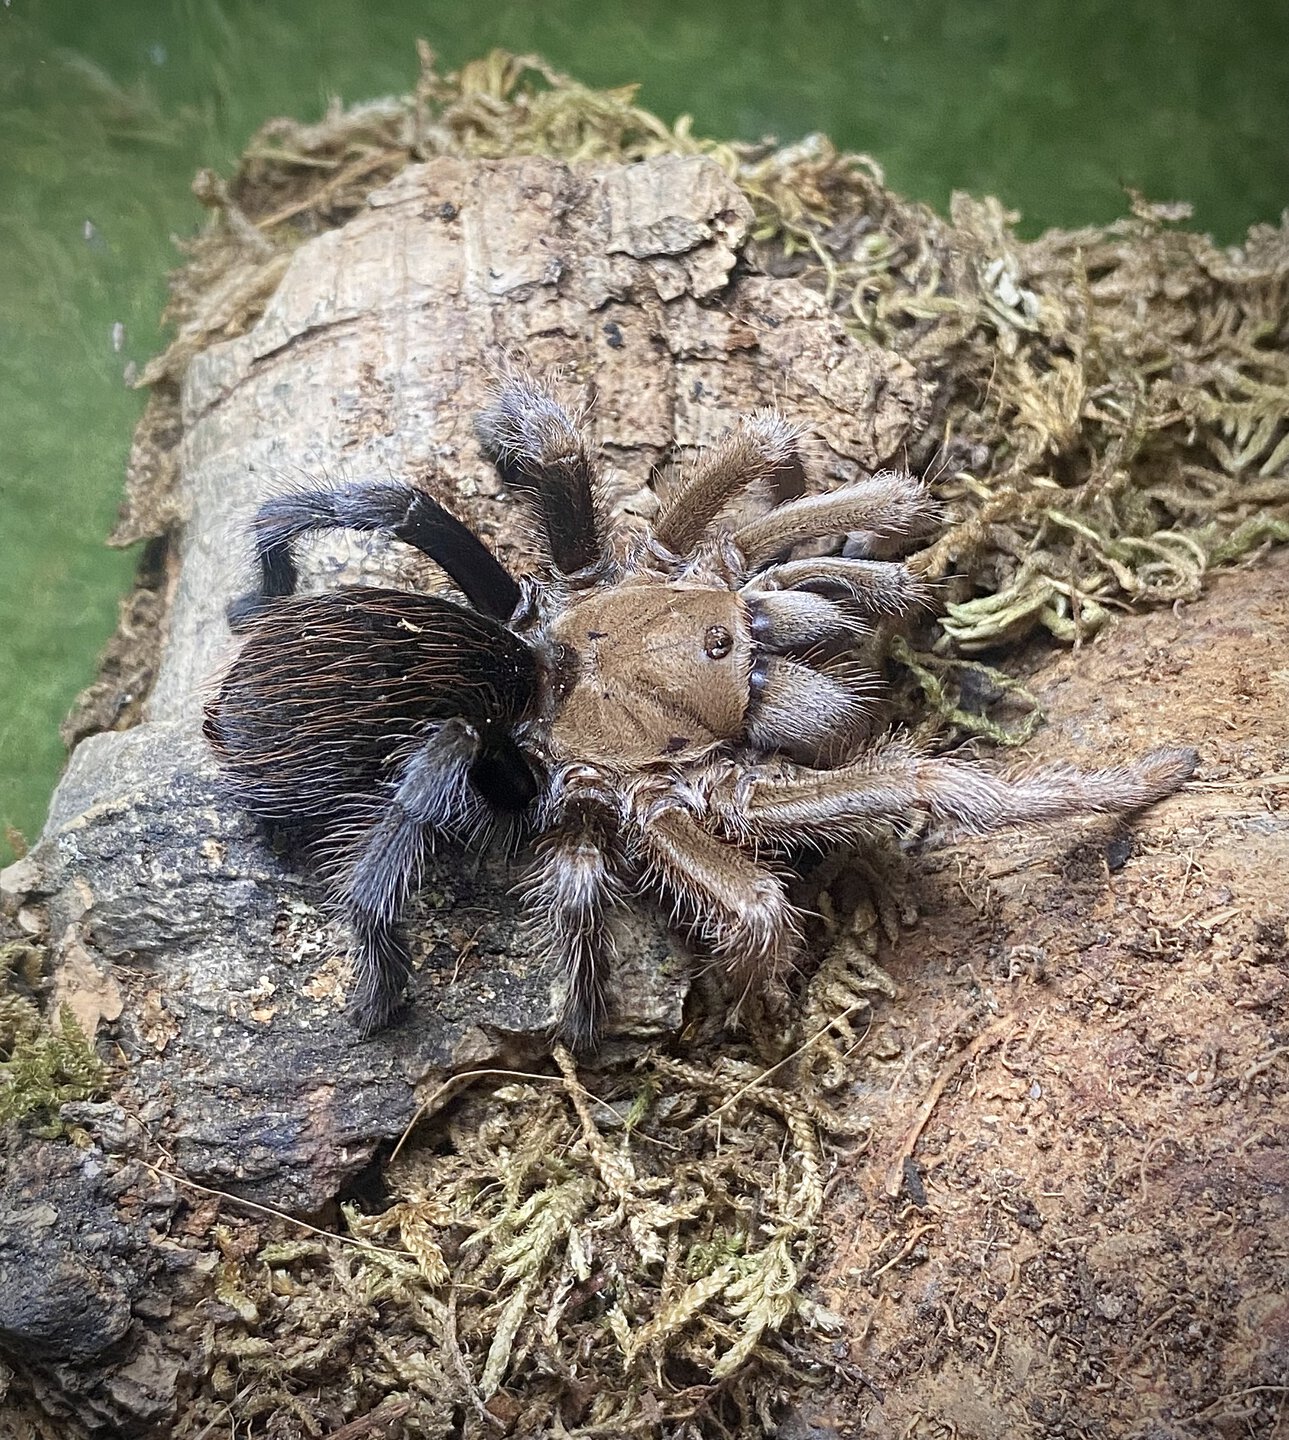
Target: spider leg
761,447
890,503
433,794
787,807
404,511
813,716
877,587
574,887
738,909
538,447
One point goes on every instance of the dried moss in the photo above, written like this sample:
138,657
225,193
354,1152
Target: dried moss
620,1248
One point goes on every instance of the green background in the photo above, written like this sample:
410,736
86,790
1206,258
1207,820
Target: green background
107,107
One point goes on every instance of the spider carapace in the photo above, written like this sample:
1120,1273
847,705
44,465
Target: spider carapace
677,714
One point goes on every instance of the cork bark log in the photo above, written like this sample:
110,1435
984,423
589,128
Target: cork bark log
206,955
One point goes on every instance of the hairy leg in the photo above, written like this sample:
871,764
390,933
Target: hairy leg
405,512
786,807
890,503
538,447
433,795
877,587
808,714
761,447
573,889
736,907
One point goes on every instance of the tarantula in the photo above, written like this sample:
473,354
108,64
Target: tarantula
679,713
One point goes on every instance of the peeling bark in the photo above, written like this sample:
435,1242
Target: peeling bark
204,951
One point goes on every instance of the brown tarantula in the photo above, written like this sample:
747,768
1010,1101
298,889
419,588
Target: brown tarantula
679,713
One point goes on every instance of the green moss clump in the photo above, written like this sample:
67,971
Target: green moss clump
42,1065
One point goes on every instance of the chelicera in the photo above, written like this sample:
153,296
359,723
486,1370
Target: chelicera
677,713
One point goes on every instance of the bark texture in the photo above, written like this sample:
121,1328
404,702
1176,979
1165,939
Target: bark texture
208,952
1073,1221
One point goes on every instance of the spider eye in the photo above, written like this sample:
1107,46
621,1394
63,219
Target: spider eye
717,642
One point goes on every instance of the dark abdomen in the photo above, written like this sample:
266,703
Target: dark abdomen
331,692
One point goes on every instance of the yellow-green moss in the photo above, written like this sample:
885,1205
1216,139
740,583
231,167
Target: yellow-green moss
43,1065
